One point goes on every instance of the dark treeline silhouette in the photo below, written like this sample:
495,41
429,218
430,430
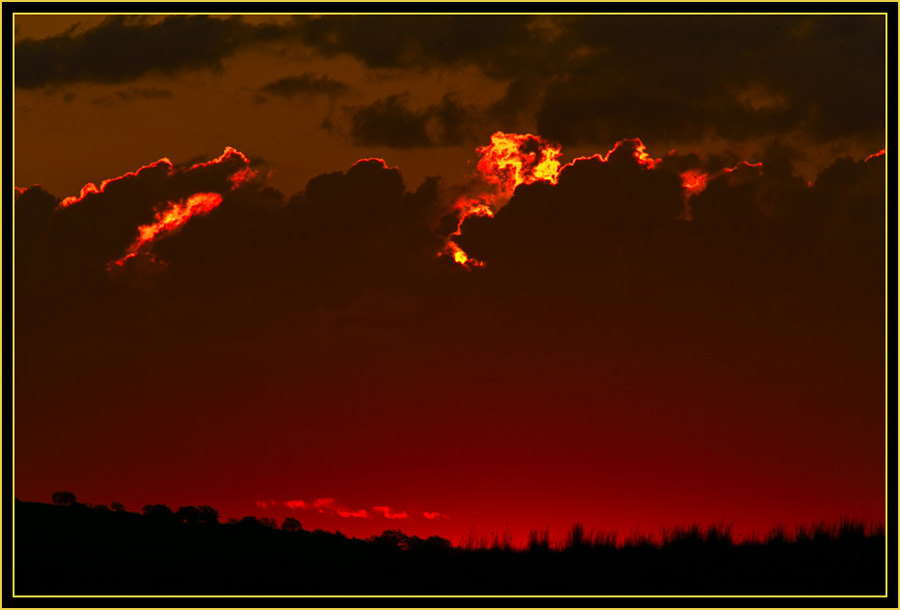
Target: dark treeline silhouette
74,549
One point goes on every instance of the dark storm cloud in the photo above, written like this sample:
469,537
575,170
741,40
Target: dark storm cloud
144,93
737,77
133,94
597,79
497,43
604,250
306,84
354,241
390,122
122,49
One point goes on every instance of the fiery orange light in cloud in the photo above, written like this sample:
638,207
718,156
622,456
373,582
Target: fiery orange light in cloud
229,153
512,159
170,220
177,212
466,207
728,170
878,154
693,181
639,152
509,160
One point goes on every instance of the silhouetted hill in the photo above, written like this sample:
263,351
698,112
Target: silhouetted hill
68,550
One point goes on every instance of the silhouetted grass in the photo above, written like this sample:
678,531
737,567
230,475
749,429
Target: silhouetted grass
539,541
67,550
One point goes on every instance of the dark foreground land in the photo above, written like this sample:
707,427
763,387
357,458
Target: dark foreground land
76,550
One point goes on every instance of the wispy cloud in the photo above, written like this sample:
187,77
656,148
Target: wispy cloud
388,514
330,506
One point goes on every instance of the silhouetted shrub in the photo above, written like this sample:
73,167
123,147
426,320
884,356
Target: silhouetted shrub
719,534
776,535
637,540
539,541
503,542
575,538
432,543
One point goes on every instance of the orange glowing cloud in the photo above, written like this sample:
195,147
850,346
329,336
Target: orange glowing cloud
428,515
376,160
175,213
230,155
464,208
693,181
509,160
328,506
386,512
360,514
90,187
514,159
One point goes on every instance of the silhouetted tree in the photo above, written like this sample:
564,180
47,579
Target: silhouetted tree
250,522
267,522
64,498
158,512
117,506
391,539
291,525
208,514
102,507
188,514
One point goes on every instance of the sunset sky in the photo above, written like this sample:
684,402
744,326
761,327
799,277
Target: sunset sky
321,289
